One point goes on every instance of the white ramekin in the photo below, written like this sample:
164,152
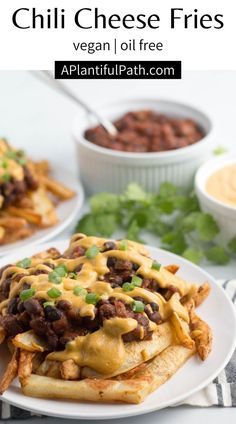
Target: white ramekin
225,215
104,169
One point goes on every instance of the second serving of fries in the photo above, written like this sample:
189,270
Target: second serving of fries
28,195
101,321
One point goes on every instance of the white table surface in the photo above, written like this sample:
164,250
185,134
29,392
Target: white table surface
38,119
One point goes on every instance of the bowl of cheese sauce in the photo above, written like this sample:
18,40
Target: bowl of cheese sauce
222,185
215,185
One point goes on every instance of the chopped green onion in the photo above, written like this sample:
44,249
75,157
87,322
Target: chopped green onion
54,293
92,298
128,287
61,270
27,294
156,265
25,263
53,277
123,245
80,291
48,304
72,275
4,164
137,281
11,154
6,178
18,156
138,306
22,161
91,252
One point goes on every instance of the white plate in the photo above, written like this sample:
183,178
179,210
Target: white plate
67,211
218,311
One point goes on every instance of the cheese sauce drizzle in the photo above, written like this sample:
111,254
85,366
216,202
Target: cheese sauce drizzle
86,350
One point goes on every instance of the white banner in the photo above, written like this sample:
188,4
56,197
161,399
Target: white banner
35,33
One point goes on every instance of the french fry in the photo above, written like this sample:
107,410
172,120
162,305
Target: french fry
132,390
58,189
42,167
44,208
13,223
37,361
201,333
25,363
2,335
2,232
10,373
13,236
25,203
201,294
29,341
1,201
28,214
70,370
182,331
49,369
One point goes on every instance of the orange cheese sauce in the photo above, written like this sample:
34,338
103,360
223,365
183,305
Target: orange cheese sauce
222,185
96,350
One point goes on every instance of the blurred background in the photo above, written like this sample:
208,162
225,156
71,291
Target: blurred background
34,116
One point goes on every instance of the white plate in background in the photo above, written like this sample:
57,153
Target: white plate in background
217,310
66,210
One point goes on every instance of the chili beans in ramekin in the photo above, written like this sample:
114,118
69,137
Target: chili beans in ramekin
147,131
176,143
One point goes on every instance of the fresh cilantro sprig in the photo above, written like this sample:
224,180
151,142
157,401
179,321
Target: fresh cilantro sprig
172,215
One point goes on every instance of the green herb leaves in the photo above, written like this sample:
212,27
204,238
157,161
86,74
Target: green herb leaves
172,215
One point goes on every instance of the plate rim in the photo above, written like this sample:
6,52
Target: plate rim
61,244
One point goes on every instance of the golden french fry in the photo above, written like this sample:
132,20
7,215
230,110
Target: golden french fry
2,335
25,363
58,189
201,334
182,331
12,236
28,214
201,294
70,370
133,390
42,167
43,206
49,369
1,200
2,232
11,222
29,341
37,361
25,203
10,373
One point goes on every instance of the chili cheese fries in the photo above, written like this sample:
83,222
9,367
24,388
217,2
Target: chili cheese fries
28,195
100,322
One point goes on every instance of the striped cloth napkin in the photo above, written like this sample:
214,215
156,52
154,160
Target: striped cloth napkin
221,392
